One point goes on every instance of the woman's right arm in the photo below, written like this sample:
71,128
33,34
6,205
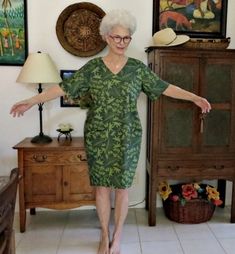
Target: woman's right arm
51,93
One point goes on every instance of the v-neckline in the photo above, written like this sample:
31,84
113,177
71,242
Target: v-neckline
113,73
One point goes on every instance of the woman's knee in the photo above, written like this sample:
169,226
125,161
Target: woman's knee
102,191
122,193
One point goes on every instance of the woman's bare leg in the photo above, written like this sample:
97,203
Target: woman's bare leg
120,213
103,206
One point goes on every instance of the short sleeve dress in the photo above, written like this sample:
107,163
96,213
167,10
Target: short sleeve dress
112,130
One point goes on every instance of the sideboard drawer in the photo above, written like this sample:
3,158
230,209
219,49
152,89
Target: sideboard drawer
177,169
56,158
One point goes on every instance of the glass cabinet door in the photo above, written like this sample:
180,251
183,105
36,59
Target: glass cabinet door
178,122
216,86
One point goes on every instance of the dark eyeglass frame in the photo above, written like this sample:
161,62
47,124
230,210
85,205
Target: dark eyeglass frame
119,39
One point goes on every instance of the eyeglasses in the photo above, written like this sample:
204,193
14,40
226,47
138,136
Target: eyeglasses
119,39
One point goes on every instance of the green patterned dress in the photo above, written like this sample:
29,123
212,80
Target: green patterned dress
112,129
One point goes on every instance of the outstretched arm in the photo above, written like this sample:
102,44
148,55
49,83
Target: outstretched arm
51,93
178,93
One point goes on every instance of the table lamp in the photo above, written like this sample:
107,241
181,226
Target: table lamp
37,69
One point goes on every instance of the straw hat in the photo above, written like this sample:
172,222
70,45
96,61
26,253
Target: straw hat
167,38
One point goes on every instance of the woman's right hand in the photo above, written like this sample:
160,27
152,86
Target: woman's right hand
20,107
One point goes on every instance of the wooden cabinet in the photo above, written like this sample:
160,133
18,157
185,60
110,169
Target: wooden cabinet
54,175
183,143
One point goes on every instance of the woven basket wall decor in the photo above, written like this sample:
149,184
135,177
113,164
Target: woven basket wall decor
77,29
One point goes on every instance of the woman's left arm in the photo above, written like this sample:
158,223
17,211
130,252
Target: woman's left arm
179,93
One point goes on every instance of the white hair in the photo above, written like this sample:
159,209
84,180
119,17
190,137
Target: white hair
117,17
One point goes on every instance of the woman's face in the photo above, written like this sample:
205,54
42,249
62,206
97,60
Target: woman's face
118,40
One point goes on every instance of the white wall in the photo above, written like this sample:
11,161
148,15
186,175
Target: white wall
42,17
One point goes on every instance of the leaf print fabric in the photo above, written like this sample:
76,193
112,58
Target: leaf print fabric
112,129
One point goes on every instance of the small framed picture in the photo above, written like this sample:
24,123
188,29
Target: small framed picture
195,18
64,100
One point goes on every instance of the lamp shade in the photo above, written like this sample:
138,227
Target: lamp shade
39,68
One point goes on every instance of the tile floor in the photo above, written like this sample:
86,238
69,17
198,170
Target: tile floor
77,232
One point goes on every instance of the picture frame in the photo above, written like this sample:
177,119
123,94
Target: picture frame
195,18
64,100
13,32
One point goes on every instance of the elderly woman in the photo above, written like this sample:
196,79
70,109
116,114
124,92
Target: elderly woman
110,86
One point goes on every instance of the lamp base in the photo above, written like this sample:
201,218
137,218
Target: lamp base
41,139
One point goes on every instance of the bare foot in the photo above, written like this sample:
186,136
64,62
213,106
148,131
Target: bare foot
104,244
115,247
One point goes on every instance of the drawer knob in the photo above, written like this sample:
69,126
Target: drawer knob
40,158
219,166
81,158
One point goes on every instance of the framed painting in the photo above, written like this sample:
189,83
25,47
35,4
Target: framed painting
13,32
195,18
64,100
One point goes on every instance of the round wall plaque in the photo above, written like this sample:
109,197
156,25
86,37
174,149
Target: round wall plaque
77,29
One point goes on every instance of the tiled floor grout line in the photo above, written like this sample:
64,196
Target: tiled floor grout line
137,224
208,225
16,229
62,234
178,238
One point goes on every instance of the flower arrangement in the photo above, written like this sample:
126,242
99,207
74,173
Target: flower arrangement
65,127
190,191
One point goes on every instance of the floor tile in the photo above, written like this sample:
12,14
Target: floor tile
163,231
79,218
85,248
130,230
161,219
193,231
158,233
75,236
228,245
130,248
201,246
37,248
223,230
163,247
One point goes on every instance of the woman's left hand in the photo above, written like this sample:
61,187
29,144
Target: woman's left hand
203,104
179,93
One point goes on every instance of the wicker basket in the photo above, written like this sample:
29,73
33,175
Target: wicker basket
207,43
194,211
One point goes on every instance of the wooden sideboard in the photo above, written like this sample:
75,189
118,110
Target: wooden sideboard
182,143
54,175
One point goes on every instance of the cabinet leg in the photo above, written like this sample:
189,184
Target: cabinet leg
147,192
222,191
22,220
32,211
233,204
152,210
152,201
22,208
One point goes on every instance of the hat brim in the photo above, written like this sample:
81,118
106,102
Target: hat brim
180,39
